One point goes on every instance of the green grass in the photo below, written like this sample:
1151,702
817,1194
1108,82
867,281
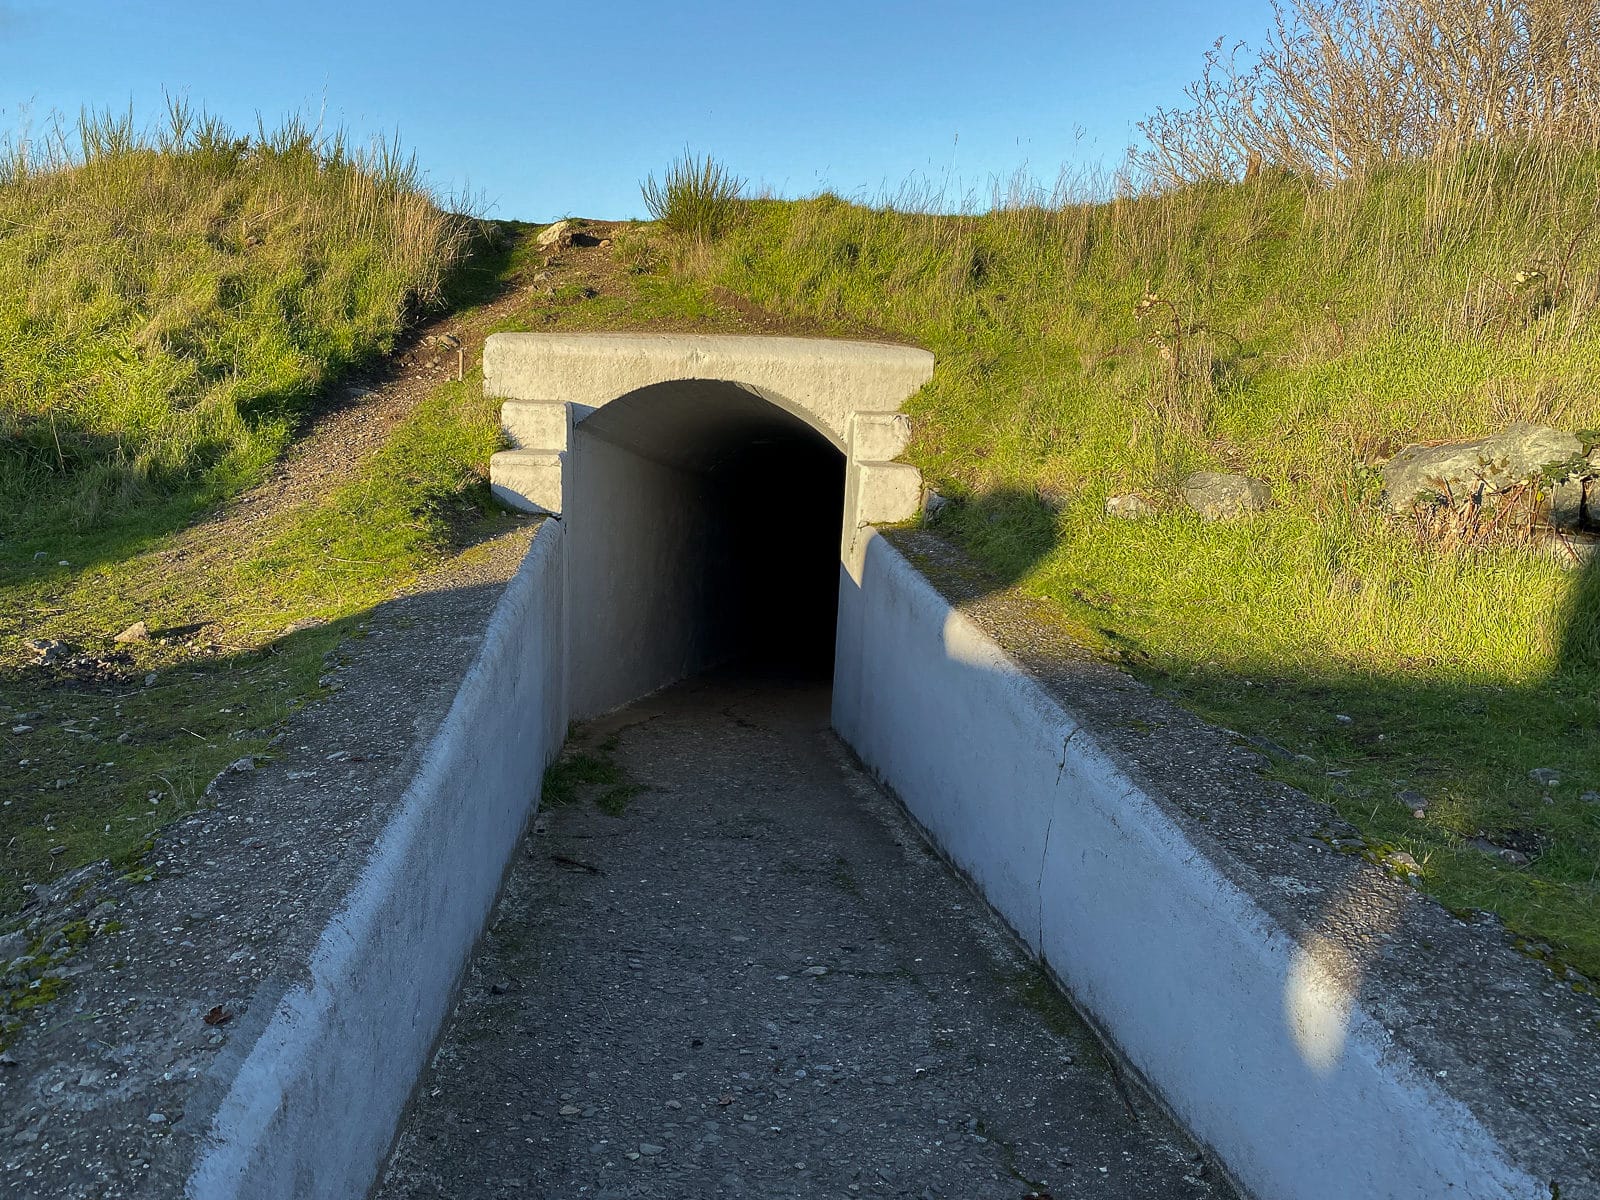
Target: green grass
108,763
1297,333
169,308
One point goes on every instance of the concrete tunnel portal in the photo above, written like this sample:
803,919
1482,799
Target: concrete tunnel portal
712,489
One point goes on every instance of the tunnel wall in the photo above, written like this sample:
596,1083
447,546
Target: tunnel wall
311,1107
642,575
1177,965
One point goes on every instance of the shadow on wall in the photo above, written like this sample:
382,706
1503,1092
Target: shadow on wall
1491,837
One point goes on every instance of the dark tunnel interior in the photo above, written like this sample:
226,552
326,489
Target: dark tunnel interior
783,501
705,526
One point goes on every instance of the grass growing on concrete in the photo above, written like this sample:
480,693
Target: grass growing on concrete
1299,333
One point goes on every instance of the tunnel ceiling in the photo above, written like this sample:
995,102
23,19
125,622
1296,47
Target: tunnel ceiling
697,424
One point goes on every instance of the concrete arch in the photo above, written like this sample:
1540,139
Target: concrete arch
711,488
849,392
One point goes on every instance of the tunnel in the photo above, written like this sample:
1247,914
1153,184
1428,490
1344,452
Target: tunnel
705,522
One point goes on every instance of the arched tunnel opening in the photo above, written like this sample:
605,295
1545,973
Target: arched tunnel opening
705,523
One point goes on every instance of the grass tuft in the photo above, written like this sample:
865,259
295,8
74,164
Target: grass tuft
697,199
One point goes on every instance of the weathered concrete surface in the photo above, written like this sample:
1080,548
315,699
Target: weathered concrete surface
116,1091
759,982
1329,1031
823,381
673,397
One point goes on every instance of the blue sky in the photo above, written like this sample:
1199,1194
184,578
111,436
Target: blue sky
546,110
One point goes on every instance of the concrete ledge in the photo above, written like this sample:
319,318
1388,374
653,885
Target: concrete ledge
528,481
885,493
1326,1030
314,1100
537,424
879,437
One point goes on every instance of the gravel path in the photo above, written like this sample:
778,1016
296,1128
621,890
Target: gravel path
759,981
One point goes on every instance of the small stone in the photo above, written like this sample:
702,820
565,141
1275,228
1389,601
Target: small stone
650,1148
674,1104
1545,776
560,232
1129,507
21,729
1402,862
570,1110
150,679
1590,797
137,632
632,1156
819,971
63,563
1415,801
40,556
157,1118
240,765
1223,497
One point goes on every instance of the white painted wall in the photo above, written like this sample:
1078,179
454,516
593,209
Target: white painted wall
1178,966
642,575
313,1107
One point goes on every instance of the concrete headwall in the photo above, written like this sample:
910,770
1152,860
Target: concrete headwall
313,1106
1176,964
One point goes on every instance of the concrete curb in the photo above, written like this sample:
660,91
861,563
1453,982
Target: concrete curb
1256,1043
314,1101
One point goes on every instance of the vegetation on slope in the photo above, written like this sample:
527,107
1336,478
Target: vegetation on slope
1299,332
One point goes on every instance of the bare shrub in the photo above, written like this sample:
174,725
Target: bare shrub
1344,86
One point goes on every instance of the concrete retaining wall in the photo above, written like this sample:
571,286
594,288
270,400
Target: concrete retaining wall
313,1107
1174,962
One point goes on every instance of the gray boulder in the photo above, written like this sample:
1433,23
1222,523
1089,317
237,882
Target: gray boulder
1221,497
1431,474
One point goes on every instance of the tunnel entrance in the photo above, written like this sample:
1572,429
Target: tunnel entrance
705,523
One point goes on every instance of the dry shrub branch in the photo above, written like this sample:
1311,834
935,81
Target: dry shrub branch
1344,86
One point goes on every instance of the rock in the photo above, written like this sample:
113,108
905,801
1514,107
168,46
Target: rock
40,556
1590,797
1565,509
818,971
1271,748
1432,474
555,235
137,632
21,729
47,652
649,1148
570,1110
1129,507
1545,776
1415,801
1221,497
932,505
1402,862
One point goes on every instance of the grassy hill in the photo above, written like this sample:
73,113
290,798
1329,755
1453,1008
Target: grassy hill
1299,332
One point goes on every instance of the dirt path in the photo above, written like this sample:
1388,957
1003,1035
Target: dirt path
758,981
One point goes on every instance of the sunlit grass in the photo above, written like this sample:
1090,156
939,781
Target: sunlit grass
1301,333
